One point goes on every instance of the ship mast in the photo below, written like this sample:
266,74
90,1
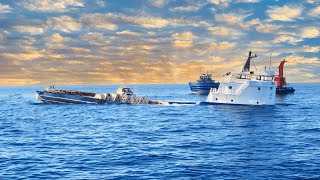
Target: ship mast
211,65
246,67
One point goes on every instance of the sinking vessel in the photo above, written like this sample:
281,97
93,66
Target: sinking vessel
123,95
203,84
282,87
245,88
60,96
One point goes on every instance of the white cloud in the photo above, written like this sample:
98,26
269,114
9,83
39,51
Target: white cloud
284,13
64,24
157,3
248,1
311,1
315,12
192,7
127,33
4,8
227,2
51,6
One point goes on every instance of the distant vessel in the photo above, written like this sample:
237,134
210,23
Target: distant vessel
203,84
282,87
246,88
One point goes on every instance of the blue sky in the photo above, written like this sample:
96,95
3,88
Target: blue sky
153,41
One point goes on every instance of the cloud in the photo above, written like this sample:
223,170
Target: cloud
51,6
267,28
56,38
311,49
185,35
127,33
30,29
182,43
64,24
225,32
293,59
4,8
310,32
286,38
284,13
96,39
27,55
157,3
226,3
231,18
193,7
99,21
315,12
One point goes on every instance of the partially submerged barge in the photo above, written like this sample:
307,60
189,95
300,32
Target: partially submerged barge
124,95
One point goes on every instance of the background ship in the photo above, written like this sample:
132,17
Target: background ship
282,87
203,84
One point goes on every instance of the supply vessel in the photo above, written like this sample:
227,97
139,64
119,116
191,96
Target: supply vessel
282,87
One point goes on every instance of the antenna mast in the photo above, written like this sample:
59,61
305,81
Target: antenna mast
270,61
211,64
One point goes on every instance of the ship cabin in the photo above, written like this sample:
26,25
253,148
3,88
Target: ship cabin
124,90
259,75
205,77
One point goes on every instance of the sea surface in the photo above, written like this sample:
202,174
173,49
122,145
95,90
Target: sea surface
46,141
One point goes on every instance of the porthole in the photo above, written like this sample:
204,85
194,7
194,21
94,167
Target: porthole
231,100
259,88
216,99
230,87
257,102
271,88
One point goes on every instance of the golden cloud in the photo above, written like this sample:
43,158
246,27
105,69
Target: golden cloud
310,32
312,49
185,35
284,13
182,43
30,29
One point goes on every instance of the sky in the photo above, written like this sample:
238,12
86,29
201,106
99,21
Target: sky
45,42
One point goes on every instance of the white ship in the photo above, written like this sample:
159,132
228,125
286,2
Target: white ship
246,88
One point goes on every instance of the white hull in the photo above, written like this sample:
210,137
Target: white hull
244,92
245,88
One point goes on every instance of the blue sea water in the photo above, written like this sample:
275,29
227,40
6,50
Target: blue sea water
46,141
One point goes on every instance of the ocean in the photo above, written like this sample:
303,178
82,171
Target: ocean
47,141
